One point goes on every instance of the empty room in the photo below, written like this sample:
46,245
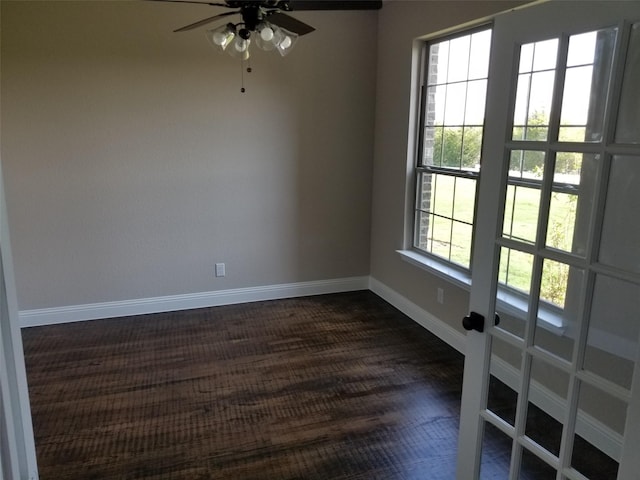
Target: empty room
316,239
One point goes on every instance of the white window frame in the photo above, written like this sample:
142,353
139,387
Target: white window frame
437,264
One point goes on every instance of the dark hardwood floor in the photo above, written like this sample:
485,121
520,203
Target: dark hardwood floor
328,387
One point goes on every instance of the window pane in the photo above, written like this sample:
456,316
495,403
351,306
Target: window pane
452,147
441,236
526,164
621,229
455,104
465,200
438,63
436,105
476,99
425,181
422,228
461,236
443,193
471,148
479,57
545,53
627,130
459,52
429,147
438,135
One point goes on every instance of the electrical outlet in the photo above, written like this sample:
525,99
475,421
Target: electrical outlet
220,270
440,295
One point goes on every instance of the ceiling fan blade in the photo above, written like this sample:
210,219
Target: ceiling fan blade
335,4
204,21
289,23
195,2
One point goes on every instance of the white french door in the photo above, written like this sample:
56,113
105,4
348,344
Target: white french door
552,391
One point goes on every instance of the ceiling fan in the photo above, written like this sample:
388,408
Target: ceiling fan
265,23
255,11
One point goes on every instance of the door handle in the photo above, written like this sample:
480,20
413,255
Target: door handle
475,321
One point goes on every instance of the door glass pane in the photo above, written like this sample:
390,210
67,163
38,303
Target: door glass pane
585,87
627,130
526,168
601,409
621,228
592,462
504,380
599,415
548,388
535,469
535,90
612,340
521,213
514,285
574,188
558,307
496,454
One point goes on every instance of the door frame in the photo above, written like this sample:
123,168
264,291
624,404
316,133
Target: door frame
17,444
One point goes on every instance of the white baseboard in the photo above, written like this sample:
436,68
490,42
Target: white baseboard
418,314
124,308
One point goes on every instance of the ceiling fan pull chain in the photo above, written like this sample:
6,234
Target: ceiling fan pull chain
242,89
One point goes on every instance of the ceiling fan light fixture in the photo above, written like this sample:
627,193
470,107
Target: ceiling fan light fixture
240,47
287,42
266,38
221,37
266,31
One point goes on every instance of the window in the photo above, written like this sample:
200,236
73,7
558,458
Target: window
451,127
554,147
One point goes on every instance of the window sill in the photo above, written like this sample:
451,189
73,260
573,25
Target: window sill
510,303
436,267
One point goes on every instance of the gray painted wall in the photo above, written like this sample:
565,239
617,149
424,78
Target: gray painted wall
133,163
